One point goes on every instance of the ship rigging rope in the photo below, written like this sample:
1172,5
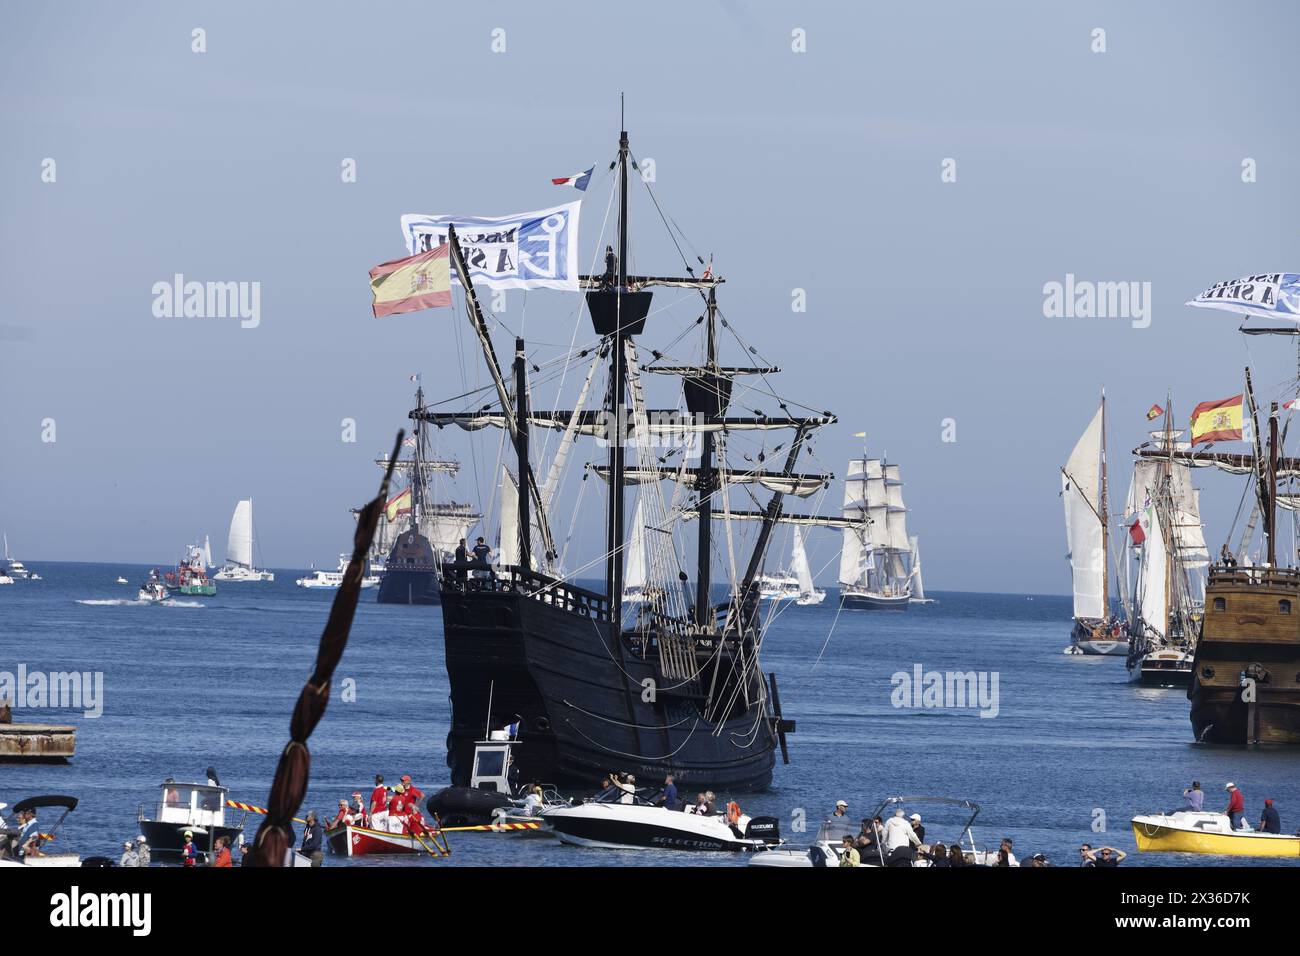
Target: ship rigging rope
620,753
624,723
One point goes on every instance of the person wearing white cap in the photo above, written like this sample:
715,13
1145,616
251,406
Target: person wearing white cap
841,809
142,850
899,838
129,856
1236,805
915,820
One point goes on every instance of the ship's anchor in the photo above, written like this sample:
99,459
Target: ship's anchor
779,725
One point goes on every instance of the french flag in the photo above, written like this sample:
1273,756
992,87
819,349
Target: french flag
577,180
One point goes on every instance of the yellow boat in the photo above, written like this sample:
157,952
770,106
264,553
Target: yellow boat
1186,831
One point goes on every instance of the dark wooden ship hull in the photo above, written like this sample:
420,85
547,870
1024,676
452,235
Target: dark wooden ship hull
410,573
519,644
1250,641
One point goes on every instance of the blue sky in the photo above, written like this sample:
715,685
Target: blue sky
816,170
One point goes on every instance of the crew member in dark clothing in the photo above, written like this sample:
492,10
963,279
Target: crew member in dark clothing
481,554
311,839
1270,822
462,559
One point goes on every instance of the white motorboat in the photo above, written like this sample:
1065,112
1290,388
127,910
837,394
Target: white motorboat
613,825
153,590
827,847
778,587
239,548
333,580
17,571
121,580
4,578
38,856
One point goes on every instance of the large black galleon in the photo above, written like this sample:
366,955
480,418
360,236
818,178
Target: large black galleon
667,681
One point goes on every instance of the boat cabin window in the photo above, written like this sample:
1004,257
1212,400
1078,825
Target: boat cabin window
490,768
191,804
1220,604
1284,607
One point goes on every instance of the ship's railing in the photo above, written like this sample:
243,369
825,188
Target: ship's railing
472,578
1254,576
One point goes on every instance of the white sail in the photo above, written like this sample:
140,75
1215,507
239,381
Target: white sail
1080,491
799,564
239,543
445,530
855,490
207,552
634,572
508,549
918,589
1153,595
852,553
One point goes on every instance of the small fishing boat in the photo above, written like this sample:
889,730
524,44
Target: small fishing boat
39,857
199,808
191,574
638,825
332,580
152,590
1190,831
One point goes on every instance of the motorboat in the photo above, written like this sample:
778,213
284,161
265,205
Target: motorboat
153,590
827,847
333,580
610,824
9,849
121,580
17,570
494,795
199,808
1193,831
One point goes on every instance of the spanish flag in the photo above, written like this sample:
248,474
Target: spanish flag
421,281
399,505
1217,421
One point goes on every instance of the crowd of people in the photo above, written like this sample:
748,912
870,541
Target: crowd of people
900,841
393,809
1270,821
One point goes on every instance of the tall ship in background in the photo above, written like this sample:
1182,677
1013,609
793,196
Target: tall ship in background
239,548
527,645
876,553
1168,540
416,533
1084,493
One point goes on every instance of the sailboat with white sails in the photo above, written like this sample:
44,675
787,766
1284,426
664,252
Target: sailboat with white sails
239,548
1087,526
874,572
918,588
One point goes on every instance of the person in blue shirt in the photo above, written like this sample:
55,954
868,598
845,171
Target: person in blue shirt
1194,796
1270,822
668,796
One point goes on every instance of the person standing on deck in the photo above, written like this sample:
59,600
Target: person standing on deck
129,856
379,805
462,560
398,808
481,555
311,839
1269,821
1236,805
413,793
142,850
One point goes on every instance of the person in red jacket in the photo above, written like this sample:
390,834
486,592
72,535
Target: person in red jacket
413,793
1236,805
223,852
378,812
398,808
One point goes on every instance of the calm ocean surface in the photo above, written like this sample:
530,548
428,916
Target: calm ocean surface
211,682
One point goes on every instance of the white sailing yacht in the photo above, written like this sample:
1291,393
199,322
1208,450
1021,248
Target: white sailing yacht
918,589
873,560
808,594
1084,493
239,548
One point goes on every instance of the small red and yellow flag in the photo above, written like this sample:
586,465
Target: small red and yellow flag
421,281
1217,421
1154,412
399,504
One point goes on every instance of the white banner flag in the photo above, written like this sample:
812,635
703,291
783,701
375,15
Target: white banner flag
529,250
1269,295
